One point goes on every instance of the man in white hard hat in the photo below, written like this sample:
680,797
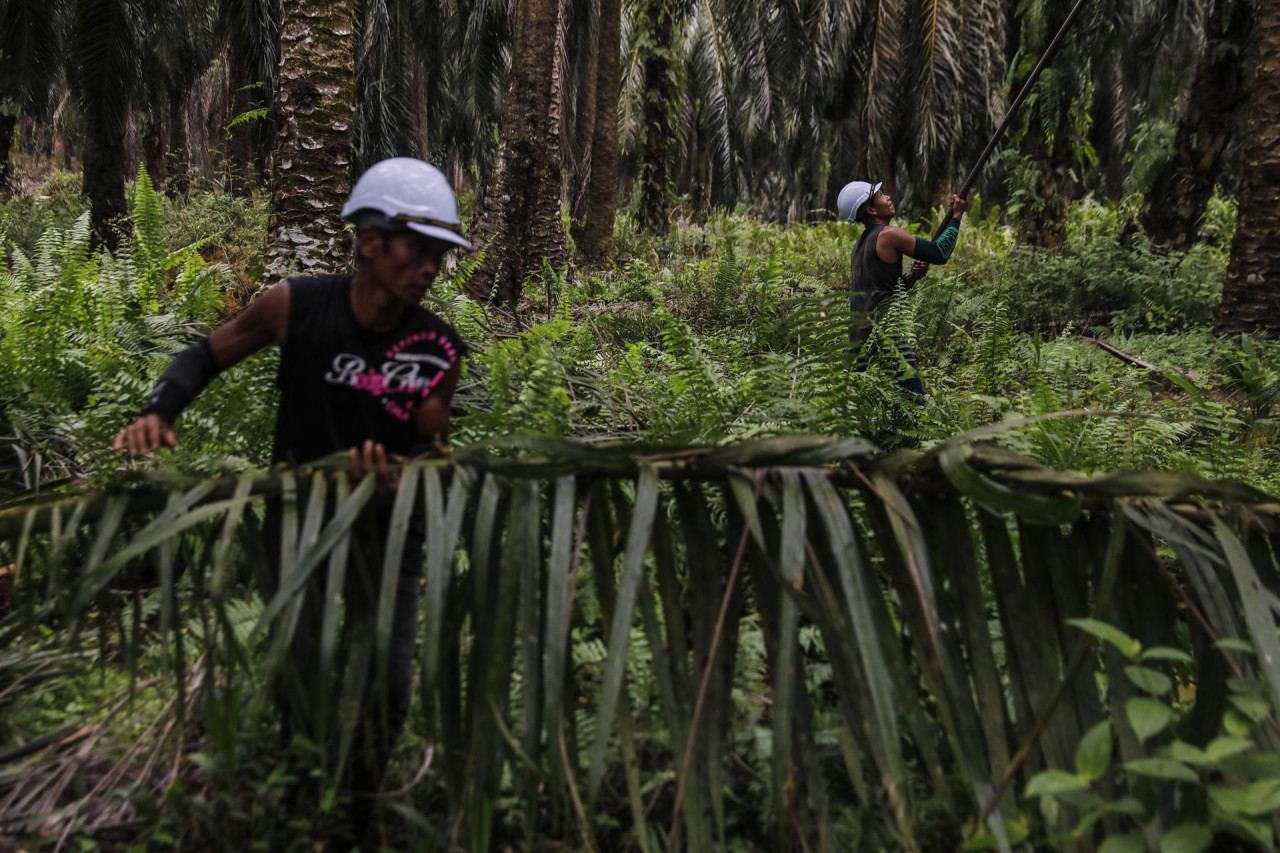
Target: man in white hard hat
364,368
877,259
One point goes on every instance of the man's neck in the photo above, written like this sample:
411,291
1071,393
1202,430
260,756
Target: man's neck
873,221
374,308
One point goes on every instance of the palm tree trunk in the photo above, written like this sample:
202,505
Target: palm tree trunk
584,130
1251,294
595,236
104,79
519,222
315,104
8,124
240,139
104,166
1048,226
179,182
154,148
659,133
1210,123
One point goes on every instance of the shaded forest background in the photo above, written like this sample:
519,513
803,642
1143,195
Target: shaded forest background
671,108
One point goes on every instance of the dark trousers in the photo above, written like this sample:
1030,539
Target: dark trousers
908,369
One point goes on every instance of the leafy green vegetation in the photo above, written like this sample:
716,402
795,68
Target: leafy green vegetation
710,335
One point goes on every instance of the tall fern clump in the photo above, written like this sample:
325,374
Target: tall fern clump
86,334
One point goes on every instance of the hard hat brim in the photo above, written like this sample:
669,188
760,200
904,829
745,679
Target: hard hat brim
440,234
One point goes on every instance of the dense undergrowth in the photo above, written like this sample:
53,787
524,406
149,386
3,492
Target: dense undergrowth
718,331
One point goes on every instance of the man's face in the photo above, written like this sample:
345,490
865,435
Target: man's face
405,263
881,205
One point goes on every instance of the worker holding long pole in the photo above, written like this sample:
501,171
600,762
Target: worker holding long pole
877,262
877,256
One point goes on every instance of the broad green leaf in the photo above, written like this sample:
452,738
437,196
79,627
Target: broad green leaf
1234,644
1050,809
334,584
1149,680
319,546
1257,799
1128,646
559,603
1162,768
1093,753
1180,750
1225,747
1253,707
1050,782
857,593
791,563
638,536
1186,838
953,457
1123,844
392,558
1236,723
1244,685
1015,827
1256,599
1147,716
1253,765
1165,653
1128,806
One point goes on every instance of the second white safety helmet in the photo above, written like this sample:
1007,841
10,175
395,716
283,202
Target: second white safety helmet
404,192
854,197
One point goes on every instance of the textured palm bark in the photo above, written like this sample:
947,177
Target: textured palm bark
660,137
1251,294
519,222
315,107
594,236
240,166
179,181
8,124
1207,131
1048,227
104,78
154,147
584,131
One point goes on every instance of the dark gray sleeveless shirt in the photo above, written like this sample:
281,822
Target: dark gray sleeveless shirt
872,278
341,383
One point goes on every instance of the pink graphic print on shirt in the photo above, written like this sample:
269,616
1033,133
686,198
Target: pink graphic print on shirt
402,374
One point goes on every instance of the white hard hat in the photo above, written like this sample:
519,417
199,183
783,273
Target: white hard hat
408,193
852,198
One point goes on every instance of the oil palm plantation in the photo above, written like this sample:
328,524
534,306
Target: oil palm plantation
518,225
33,37
1251,294
1206,147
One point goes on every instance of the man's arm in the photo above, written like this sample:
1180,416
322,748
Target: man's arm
431,419
894,242
264,321
430,425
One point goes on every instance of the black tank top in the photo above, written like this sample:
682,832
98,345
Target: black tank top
872,278
341,383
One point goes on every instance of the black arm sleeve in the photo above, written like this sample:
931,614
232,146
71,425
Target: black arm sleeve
938,251
185,377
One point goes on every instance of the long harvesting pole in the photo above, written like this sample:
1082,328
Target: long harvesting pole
1017,103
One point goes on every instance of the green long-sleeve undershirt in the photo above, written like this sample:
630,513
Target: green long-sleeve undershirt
938,251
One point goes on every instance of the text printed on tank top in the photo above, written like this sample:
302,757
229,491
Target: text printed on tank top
400,374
